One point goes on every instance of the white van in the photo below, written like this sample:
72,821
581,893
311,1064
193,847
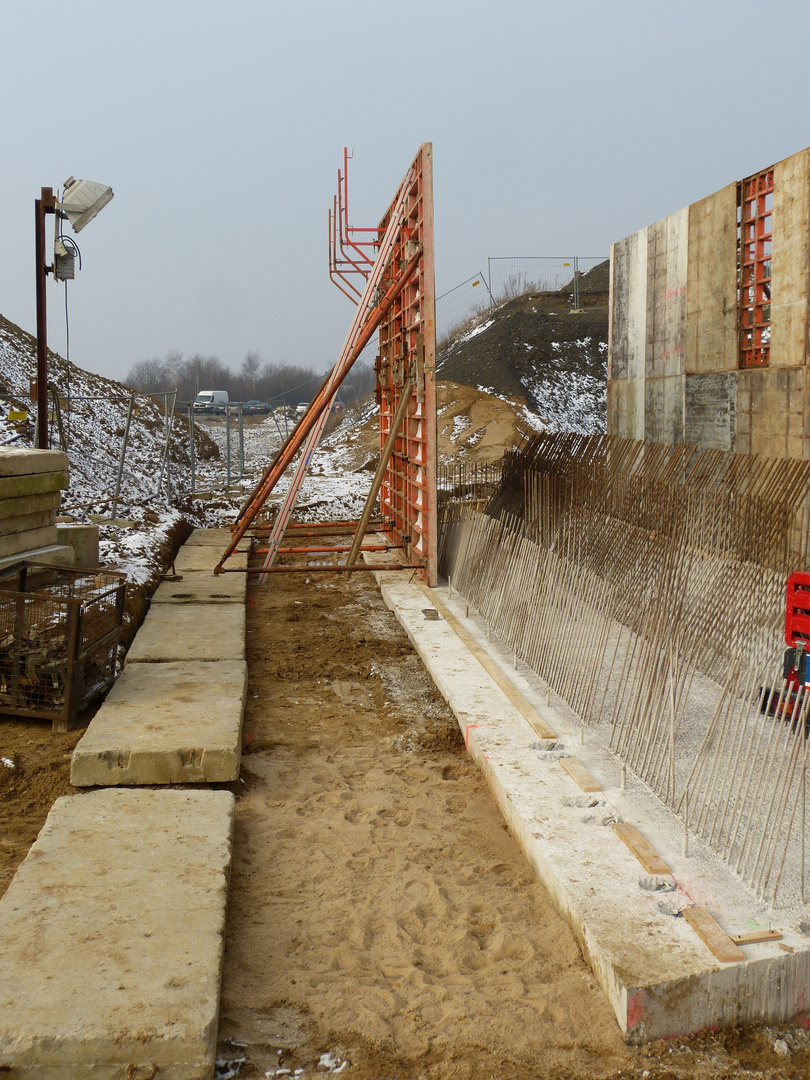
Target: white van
211,401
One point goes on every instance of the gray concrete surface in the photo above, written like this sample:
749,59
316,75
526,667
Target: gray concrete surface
202,588
56,554
111,938
174,723
218,538
83,538
23,505
202,558
659,976
29,540
16,487
190,632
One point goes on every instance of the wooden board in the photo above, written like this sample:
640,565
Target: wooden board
754,937
577,771
641,848
713,935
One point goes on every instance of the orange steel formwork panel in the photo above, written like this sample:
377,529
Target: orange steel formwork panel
754,253
407,357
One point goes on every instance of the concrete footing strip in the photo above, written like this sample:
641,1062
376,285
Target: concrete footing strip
111,938
659,976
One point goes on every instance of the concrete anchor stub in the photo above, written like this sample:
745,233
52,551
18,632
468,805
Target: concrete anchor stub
111,938
173,723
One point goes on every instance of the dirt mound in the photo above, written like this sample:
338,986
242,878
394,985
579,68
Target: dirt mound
473,425
536,350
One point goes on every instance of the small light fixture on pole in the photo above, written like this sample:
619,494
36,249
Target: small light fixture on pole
81,201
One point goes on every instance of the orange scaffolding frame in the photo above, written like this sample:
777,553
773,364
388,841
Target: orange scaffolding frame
398,300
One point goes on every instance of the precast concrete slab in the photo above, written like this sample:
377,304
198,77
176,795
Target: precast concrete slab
111,938
55,554
658,973
174,723
18,542
202,588
23,461
210,537
190,632
202,558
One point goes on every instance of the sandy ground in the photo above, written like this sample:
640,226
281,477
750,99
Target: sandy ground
380,910
381,914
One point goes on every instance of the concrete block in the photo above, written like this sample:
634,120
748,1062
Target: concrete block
27,523
111,938
174,723
54,554
214,537
201,558
15,543
24,505
190,632
15,487
20,461
84,541
202,589
659,976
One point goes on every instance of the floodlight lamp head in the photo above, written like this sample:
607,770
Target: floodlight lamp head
82,200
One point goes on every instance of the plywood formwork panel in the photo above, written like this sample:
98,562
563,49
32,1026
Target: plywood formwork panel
710,410
628,329
407,363
625,408
790,275
663,409
771,412
711,284
666,295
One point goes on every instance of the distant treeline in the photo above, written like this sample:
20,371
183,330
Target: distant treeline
278,384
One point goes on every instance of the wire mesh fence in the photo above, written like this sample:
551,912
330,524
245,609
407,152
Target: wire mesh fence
514,275
458,305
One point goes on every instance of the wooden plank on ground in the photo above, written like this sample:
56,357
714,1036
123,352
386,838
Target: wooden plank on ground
713,935
577,771
641,848
754,937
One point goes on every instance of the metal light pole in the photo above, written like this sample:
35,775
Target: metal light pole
46,204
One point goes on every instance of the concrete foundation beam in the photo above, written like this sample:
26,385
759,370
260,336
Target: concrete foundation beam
213,537
111,938
175,723
190,632
26,523
658,974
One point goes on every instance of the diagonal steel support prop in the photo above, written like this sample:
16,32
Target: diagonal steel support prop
358,337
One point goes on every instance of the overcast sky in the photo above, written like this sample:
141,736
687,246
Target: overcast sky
557,128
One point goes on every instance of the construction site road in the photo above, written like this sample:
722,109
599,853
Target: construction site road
382,920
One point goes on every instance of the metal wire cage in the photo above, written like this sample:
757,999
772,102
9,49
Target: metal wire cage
59,629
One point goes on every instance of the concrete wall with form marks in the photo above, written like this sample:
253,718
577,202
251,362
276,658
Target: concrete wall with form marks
677,372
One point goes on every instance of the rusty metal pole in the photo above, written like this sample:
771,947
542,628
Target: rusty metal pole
44,205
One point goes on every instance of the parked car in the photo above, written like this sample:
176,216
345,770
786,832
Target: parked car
255,408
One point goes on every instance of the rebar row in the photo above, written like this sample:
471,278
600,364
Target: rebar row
645,584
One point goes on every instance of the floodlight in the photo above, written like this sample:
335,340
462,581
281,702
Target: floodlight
82,200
